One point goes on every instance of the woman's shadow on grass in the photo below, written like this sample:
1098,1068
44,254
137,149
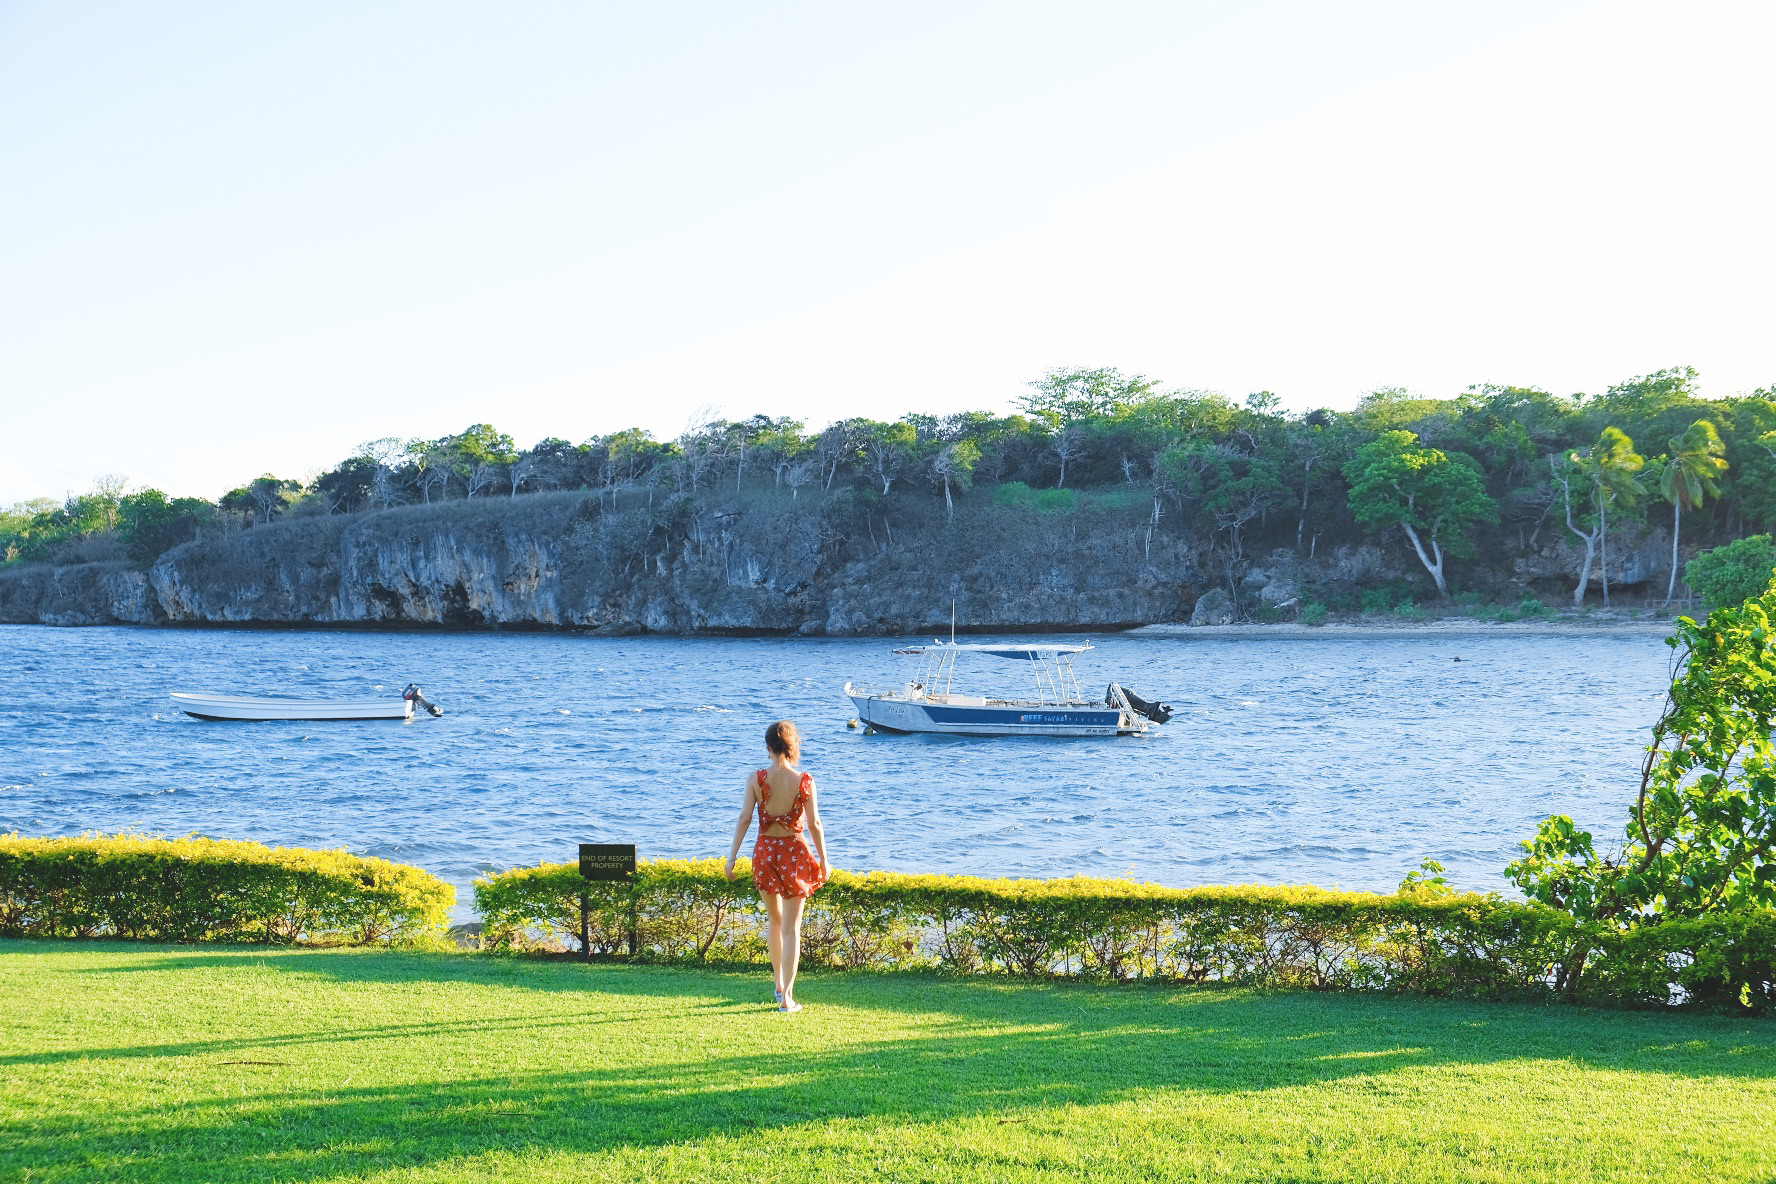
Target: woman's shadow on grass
980,1048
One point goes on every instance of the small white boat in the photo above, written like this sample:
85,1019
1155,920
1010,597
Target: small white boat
247,708
1057,707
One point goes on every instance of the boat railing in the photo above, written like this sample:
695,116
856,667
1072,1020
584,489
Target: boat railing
913,693
1055,682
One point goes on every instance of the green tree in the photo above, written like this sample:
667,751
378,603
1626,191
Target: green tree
270,496
261,499
1750,436
430,463
1005,441
388,454
349,485
1070,395
889,449
1618,468
1687,477
1575,478
150,523
1607,477
627,457
840,443
1511,427
1069,443
1652,406
1701,834
479,454
954,465
96,512
1433,497
783,445
550,463
1229,488
1397,409
27,528
1734,573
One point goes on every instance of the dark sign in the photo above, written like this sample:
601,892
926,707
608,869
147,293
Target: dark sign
607,861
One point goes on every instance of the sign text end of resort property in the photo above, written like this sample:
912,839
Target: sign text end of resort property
607,861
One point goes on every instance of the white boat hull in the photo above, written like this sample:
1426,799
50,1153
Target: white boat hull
895,713
236,707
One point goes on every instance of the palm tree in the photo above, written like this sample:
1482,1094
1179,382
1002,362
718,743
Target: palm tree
1689,476
1606,475
1615,467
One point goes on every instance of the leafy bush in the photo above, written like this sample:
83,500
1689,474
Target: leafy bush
1020,496
1377,600
1424,938
1118,500
1409,611
1684,906
197,889
1700,839
1314,613
1533,609
1530,609
1734,573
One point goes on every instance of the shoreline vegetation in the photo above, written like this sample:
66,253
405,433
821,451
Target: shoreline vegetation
1424,939
1106,501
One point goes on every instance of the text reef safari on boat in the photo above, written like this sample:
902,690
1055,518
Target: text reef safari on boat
1057,707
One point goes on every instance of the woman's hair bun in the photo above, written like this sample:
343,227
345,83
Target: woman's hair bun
782,739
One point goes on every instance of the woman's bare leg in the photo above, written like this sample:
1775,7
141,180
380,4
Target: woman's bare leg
774,935
791,944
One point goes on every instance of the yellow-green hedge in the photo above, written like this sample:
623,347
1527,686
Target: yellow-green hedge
198,889
1423,938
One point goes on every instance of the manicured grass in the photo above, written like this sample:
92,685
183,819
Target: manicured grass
155,1063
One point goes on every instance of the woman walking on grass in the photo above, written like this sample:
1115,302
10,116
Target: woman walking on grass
783,870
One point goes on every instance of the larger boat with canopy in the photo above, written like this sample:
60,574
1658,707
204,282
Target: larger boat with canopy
1055,705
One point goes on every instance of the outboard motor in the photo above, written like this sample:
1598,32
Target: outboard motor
419,700
1159,713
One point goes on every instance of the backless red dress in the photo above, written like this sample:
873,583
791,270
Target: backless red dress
782,864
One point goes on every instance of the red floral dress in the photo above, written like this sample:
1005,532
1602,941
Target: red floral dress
782,864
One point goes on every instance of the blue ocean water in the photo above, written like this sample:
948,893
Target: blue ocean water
1332,760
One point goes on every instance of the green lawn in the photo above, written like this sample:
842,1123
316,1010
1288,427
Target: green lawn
178,1063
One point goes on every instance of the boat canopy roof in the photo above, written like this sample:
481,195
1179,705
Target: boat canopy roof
1023,653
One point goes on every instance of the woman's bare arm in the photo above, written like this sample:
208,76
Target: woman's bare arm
740,827
814,831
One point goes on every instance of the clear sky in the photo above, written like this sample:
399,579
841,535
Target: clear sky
242,238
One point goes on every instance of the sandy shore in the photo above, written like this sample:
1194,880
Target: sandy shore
1576,624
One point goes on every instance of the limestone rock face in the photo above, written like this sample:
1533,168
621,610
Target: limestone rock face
110,593
1214,607
1279,591
567,561
1639,557
841,566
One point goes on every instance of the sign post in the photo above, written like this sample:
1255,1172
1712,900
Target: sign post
605,863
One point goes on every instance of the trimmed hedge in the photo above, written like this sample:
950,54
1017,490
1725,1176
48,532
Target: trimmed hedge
1424,938
196,889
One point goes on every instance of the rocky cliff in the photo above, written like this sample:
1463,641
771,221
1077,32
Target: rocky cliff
768,565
